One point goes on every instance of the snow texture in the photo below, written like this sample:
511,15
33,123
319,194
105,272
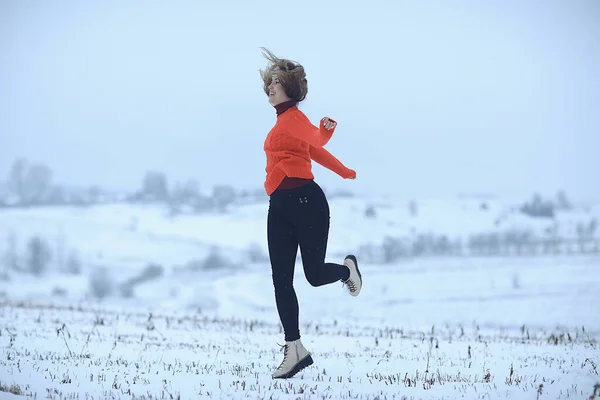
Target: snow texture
422,328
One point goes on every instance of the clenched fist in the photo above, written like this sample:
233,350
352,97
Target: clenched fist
328,123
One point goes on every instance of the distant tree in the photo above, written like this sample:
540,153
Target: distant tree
256,254
456,246
423,244
57,196
370,211
73,264
593,225
216,260
586,232
581,235
562,201
191,189
38,255
551,239
202,203
38,184
30,184
16,179
188,195
476,243
393,249
493,242
185,193
518,240
154,186
101,283
11,258
223,195
78,199
441,245
94,194
538,208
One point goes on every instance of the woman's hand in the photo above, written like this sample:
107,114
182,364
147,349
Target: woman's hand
328,123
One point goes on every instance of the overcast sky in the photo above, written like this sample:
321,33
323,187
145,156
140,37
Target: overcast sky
431,97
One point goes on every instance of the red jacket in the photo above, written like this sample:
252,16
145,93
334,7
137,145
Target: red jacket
291,145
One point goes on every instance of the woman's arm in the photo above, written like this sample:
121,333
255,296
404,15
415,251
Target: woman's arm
301,128
326,159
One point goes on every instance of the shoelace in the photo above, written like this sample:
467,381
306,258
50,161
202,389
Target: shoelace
285,349
350,284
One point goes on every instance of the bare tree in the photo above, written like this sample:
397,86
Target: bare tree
38,255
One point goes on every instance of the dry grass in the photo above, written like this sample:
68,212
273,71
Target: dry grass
77,352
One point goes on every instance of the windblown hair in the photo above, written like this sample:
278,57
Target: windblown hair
290,73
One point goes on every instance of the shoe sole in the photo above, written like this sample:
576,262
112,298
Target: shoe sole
355,261
305,362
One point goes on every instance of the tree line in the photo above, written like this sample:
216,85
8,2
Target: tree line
32,184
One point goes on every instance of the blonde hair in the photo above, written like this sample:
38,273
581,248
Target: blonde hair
291,75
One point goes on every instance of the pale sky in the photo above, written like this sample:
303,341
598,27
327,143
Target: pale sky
431,97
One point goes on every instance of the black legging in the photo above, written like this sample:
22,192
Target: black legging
299,216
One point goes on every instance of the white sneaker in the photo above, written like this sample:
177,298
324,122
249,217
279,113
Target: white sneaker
354,282
295,359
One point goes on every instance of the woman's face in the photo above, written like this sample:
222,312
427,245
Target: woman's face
276,93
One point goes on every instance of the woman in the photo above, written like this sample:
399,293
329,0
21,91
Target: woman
298,209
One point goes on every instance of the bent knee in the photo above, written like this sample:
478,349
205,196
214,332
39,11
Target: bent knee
314,279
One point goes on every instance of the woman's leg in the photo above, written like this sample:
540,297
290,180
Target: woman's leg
283,248
311,220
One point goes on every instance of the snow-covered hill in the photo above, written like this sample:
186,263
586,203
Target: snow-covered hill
127,234
132,244
184,304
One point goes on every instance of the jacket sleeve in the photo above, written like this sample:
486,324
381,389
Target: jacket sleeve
327,160
302,129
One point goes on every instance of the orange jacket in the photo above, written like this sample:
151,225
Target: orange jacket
290,146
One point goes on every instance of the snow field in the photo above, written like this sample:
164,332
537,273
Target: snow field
422,328
84,352
420,331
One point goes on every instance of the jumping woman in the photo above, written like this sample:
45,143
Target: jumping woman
298,209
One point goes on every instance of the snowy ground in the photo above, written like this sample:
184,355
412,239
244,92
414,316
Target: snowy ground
471,328
431,327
